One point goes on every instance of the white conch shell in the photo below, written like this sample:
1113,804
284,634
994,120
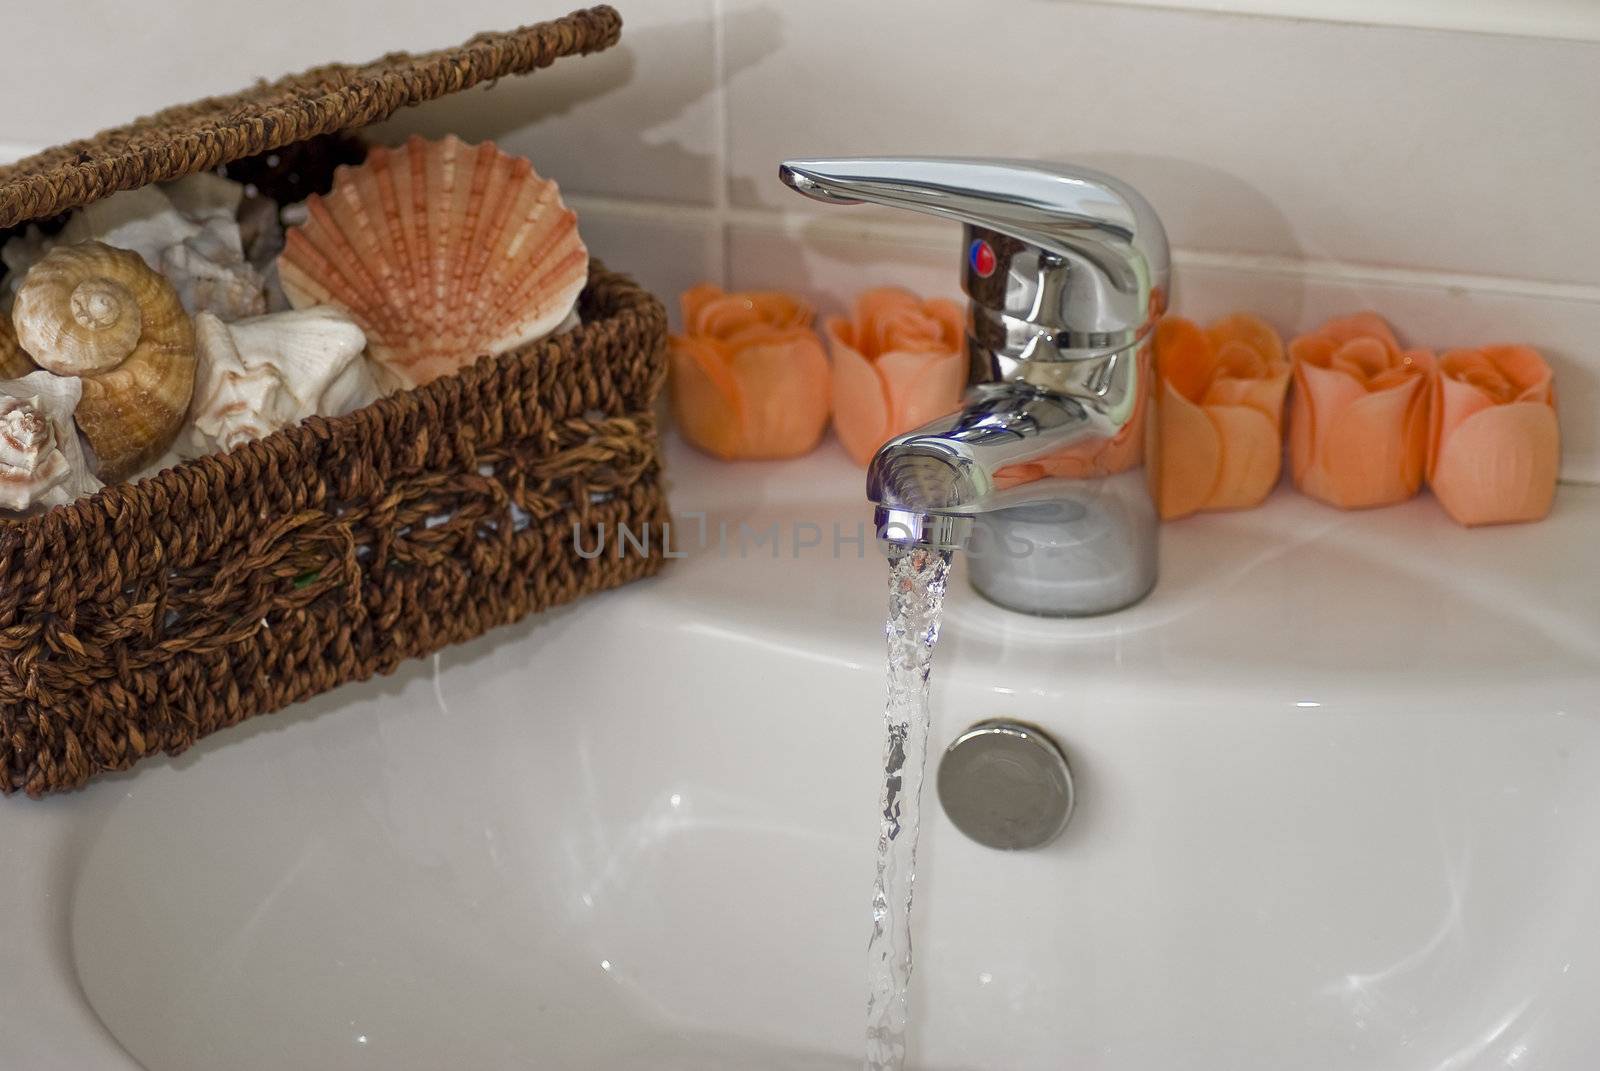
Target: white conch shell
442,251
209,201
265,373
186,229
41,460
103,315
229,289
142,220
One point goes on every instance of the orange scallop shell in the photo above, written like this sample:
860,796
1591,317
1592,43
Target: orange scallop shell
441,251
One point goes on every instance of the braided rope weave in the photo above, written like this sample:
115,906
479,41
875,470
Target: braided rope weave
145,617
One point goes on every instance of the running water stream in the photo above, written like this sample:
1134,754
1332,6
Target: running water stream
916,599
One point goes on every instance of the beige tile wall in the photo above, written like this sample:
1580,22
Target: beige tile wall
1303,167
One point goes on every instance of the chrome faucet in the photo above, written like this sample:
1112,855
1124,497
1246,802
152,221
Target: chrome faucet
1037,475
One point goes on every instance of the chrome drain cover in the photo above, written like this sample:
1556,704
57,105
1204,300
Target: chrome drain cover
1006,785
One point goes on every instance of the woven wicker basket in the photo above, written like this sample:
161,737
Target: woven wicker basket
152,614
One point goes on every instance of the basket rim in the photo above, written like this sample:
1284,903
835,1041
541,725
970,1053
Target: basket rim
190,138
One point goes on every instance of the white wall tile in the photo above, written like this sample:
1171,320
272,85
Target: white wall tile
666,256
831,269
1436,150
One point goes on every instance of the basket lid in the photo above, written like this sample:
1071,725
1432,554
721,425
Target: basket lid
190,138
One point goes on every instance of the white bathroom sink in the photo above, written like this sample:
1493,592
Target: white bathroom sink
1338,792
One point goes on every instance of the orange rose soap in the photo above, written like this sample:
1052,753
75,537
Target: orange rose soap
749,376
1494,448
1219,415
898,362
1358,423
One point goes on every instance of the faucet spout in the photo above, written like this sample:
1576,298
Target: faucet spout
1019,479
956,467
979,458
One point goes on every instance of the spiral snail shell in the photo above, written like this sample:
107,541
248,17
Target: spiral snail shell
101,314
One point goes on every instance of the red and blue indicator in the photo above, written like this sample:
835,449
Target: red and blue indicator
981,258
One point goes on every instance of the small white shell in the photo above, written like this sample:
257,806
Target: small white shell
41,460
230,289
258,375
207,200
30,465
208,268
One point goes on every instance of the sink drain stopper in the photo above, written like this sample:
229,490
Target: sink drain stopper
1006,785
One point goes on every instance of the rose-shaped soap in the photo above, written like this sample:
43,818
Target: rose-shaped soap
749,376
1219,406
1358,422
898,362
1494,449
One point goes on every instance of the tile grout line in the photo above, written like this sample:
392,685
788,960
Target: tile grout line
721,150
1355,271
1540,30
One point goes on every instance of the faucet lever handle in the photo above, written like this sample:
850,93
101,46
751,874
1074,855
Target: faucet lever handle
1062,262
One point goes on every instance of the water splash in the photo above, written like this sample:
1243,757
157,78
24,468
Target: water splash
917,579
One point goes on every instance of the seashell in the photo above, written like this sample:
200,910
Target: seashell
209,268
442,252
211,202
30,465
208,200
142,220
102,315
41,460
229,289
258,375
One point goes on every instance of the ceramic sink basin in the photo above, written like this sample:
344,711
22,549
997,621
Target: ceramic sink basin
1338,791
